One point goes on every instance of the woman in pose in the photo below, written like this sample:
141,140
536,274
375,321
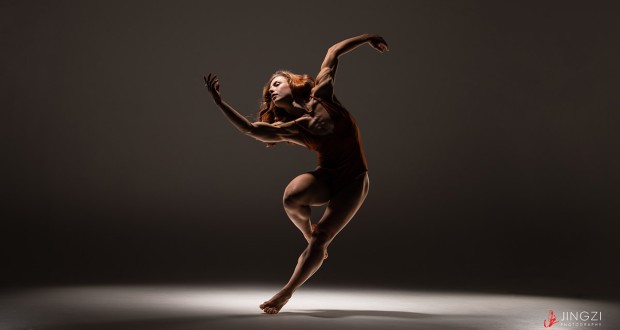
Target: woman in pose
300,110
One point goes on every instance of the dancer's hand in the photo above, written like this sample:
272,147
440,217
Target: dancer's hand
213,85
378,43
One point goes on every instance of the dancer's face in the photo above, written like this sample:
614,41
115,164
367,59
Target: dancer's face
280,91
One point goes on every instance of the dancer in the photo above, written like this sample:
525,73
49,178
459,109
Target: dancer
300,110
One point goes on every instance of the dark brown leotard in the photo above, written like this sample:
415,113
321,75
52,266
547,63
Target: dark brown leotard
341,157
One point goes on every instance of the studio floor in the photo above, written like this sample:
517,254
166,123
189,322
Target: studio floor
236,307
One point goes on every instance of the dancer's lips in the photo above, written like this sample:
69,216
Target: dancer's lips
273,96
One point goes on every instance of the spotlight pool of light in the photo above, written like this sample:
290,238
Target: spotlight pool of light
236,307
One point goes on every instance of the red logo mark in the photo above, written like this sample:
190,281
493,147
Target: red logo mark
552,320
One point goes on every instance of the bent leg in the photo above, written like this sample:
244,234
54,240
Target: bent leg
302,192
339,212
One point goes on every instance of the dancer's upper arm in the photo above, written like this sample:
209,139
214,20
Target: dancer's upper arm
326,78
325,82
329,65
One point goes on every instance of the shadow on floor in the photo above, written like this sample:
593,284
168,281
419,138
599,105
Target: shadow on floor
339,313
303,319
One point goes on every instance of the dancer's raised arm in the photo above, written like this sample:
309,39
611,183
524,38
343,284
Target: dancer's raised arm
327,75
264,132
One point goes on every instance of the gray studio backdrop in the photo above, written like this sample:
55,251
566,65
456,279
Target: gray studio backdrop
491,131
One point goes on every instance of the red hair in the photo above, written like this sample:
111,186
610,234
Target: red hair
301,85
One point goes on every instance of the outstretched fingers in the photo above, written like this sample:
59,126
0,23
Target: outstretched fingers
207,81
213,86
211,82
378,43
382,46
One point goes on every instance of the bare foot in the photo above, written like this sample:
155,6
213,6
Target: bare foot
313,228
273,305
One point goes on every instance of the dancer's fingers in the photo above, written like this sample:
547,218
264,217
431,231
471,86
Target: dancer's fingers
208,81
212,81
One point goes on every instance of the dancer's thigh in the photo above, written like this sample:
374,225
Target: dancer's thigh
307,189
342,207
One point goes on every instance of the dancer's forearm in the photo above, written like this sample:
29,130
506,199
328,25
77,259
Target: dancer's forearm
348,45
341,48
239,121
264,132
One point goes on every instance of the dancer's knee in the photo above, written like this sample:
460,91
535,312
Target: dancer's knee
292,201
320,239
295,203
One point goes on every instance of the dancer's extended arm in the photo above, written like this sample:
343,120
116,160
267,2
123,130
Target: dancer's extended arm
347,45
330,63
264,132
